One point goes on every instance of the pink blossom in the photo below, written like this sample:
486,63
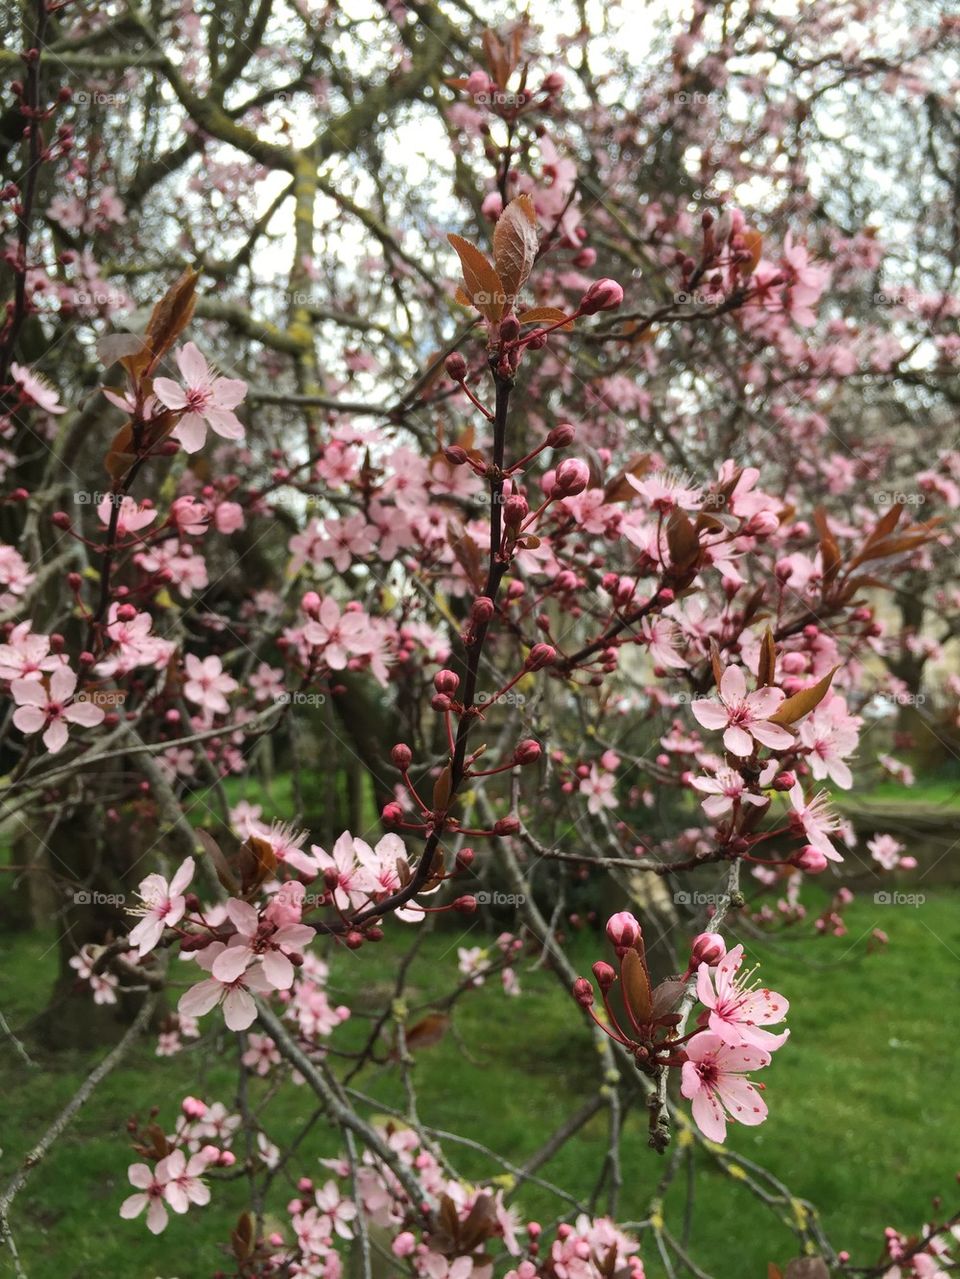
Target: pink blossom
737,1012
207,684
181,1180
340,635
163,906
263,940
205,400
51,709
713,1079
229,517
26,654
724,789
36,388
816,820
743,716
189,516
235,996
152,1187
131,517
599,789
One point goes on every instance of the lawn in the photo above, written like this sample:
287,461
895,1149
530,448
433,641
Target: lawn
862,1101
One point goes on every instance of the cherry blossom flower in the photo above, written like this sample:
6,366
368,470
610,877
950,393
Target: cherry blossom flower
181,1180
713,1079
737,1011
205,399
724,789
37,389
666,491
340,635
599,788
743,716
235,996
26,654
103,985
131,517
163,906
15,576
263,940
207,684
351,881
830,734
338,1212
888,852
51,709
816,820
151,1196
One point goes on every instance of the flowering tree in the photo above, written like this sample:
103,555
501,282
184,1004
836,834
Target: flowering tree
491,422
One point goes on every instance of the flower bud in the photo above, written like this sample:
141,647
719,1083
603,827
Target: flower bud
784,781
510,329
708,948
623,929
809,859
455,455
539,656
605,974
392,813
402,756
446,682
515,510
560,436
583,992
602,295
465,905
482,610
456,366
528,752
506,826
571,477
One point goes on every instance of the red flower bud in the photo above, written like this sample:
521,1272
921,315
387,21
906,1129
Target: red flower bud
605,974
446,682
392,813
465,905
561,436
402,756
482,610
515,510
60,519
583,992
353,940
539,656
506,826
602,295
528,752
784,781
456,366
455,455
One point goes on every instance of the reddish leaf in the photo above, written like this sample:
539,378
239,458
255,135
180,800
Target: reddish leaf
802,703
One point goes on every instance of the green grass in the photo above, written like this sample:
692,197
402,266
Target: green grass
861,1107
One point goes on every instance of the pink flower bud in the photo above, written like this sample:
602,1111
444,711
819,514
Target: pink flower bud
602,295
311,604
539,656
392,813
405,1242
784,781
515,510
477,82
623,929
708,948
810,859
446,682
402,756
193,1107
605,974
506,826
571,477
528,752
560,436
465,905
482,610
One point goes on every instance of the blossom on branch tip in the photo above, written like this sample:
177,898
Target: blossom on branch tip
737,1012
49,707
204,400
163,905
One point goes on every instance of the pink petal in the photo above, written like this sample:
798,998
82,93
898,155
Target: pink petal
199,999
733,685
239,1010
191,431
231,963
772,735
742,1100
28,692
709,1116
29,719
84,713
170,394
738,741
192,365
56,736
709,714
133,1206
